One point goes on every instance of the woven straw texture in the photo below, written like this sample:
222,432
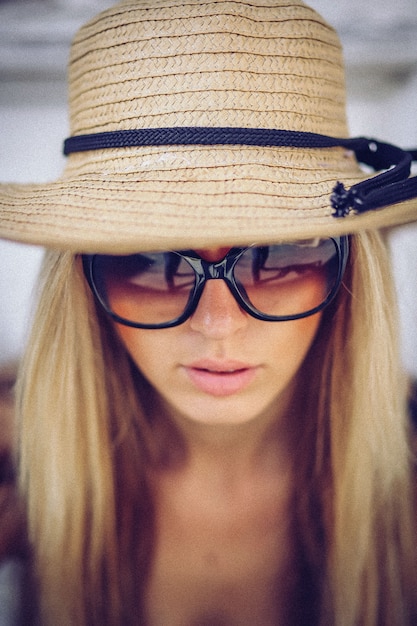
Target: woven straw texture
174,63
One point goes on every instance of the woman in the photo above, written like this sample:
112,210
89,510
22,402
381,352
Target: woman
212,430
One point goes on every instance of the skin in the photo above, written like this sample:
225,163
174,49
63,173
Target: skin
221,367
223,516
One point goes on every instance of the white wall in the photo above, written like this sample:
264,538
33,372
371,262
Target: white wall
382,103
32,121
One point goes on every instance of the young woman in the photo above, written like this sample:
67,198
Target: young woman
213,414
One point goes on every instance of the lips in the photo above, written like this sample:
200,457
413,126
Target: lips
220,378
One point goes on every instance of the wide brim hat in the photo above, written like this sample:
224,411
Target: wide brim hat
150,68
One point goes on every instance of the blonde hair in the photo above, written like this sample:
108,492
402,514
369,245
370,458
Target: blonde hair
362,467
77,404
85,443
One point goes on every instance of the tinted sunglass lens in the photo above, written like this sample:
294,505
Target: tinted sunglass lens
144,288
288,279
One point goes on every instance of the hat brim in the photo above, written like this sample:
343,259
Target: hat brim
189,197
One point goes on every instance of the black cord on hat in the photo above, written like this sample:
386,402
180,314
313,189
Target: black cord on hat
391,186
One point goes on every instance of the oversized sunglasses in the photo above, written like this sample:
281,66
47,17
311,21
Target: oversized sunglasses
273,283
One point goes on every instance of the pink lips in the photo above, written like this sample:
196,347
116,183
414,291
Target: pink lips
220,378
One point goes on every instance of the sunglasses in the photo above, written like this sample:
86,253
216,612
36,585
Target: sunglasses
273,283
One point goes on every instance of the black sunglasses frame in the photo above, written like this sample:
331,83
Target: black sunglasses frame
224,270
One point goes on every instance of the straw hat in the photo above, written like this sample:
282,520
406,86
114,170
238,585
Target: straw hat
237,65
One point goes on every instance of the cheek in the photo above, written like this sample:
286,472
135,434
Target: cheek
296,340
149,349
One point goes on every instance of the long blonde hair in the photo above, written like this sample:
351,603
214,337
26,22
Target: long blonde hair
85,442
356,442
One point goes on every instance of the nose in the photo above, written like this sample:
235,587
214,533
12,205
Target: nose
218,315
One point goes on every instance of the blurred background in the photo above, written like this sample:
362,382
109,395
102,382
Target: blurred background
380,43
